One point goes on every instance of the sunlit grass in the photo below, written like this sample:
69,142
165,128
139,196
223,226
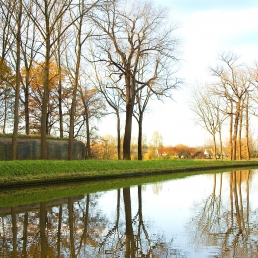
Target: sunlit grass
27,171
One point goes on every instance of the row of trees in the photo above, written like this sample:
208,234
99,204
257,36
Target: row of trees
105,147
228,102
64,62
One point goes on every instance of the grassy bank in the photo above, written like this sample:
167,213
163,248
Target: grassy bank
26,172
17,196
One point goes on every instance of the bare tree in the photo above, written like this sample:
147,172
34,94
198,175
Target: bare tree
109,89
82,33
80,39
29,51
60,51
129,32
142,99
233,84
209,115
6,35
12,14
7,82
18,21
93,107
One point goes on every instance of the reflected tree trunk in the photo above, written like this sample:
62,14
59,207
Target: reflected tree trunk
237,210
70,212
118,208
231,198
25,234
240,198
43,239
14,231
86,222
247,201
141,222
130,245
60,215
220,191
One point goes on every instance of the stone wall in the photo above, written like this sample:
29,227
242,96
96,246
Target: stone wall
30,149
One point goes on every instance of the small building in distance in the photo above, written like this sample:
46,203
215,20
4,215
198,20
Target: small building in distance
185,154
199,155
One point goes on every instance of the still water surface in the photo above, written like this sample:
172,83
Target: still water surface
205,215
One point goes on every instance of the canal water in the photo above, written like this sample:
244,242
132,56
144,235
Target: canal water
185,215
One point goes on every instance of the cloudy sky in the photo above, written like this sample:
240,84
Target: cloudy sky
206,28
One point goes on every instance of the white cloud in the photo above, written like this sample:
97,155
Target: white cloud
206,34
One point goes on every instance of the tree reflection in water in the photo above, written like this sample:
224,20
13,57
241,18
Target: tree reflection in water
124,222
227,227
76,227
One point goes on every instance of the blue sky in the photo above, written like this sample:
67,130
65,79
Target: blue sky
189,6
206,29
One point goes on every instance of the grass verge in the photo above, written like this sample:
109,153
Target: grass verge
31,172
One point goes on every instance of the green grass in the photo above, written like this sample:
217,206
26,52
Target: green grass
25,172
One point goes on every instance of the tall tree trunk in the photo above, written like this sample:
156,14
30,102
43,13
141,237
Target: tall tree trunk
58,60
72,115
247,129
18,82
5,109
240,135
75,86
61,128
88,150
128,132
215,146
118,135
45,100
231,131
130,97
220,142
235,130
26,103
140,136
87,122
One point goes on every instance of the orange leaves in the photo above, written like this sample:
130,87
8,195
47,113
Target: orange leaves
7,77
37,76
